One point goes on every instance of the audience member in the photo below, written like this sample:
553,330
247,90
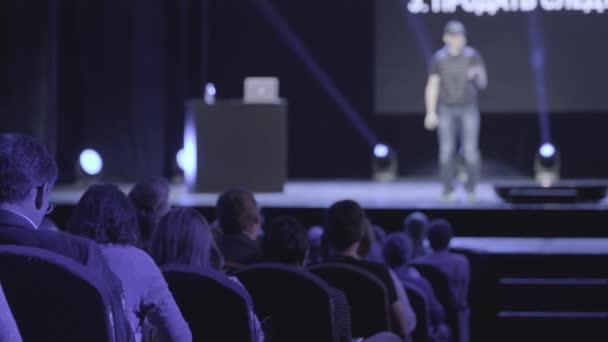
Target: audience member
398,252
286,241
27,176
107,216
184,237
315,240
239,219
345,230
8,328
151,200
415,226
454,265
376,237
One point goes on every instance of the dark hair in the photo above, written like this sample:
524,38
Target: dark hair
415,225
184,237
346,224
440,234
151,201
398,250
106,215
285,241
236,210
24,165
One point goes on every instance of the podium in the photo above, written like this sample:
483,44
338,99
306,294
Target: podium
237,145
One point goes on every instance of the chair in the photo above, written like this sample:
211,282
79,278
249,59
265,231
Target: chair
299,303
457,316
215,307
366,294
54,298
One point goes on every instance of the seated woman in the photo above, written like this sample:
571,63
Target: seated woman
184,237
106,215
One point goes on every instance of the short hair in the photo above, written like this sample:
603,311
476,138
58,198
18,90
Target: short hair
440,234
415,225
236,210
106,215
184,237
346,224
398,250
286,241
25,164
151,201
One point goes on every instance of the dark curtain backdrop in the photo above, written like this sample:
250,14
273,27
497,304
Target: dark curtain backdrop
114,75
106,74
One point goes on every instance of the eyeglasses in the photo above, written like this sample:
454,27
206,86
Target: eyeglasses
50,208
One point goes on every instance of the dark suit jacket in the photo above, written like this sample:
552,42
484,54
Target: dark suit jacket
15,230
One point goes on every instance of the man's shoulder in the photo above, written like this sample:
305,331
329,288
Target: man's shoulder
471,52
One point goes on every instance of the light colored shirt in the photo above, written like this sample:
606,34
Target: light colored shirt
147,295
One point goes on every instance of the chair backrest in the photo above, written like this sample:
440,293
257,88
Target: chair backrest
54,298
422,332
366,294
299,303
215,307
440,283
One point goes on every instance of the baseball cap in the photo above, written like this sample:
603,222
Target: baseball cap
454,27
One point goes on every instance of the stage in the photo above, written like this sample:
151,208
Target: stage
388,203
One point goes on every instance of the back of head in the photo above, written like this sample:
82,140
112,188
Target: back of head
346,224
440,234
106,215
415,225
286,241
397,250
151,200
24,165
237,211
183,237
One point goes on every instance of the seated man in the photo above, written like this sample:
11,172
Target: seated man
415,226
151,200
27,176
239,220
398,252
286,242
345,230
454,265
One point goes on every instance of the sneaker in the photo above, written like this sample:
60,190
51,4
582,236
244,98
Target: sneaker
447,196
471,198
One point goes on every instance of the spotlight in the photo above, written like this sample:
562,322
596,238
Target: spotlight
91,162
547,163
179,158
384,163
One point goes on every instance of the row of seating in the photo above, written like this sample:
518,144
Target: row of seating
50,293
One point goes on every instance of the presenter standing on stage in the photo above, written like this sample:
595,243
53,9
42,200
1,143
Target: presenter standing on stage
457,73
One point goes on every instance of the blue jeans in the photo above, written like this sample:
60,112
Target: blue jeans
459,122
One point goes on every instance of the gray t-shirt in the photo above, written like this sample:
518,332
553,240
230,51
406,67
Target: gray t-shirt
455,87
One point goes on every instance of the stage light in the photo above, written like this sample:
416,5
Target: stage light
547,163
380,151
179,158
189,159
547,150
384,163
91,162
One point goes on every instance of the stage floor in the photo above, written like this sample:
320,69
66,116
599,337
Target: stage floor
405,194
